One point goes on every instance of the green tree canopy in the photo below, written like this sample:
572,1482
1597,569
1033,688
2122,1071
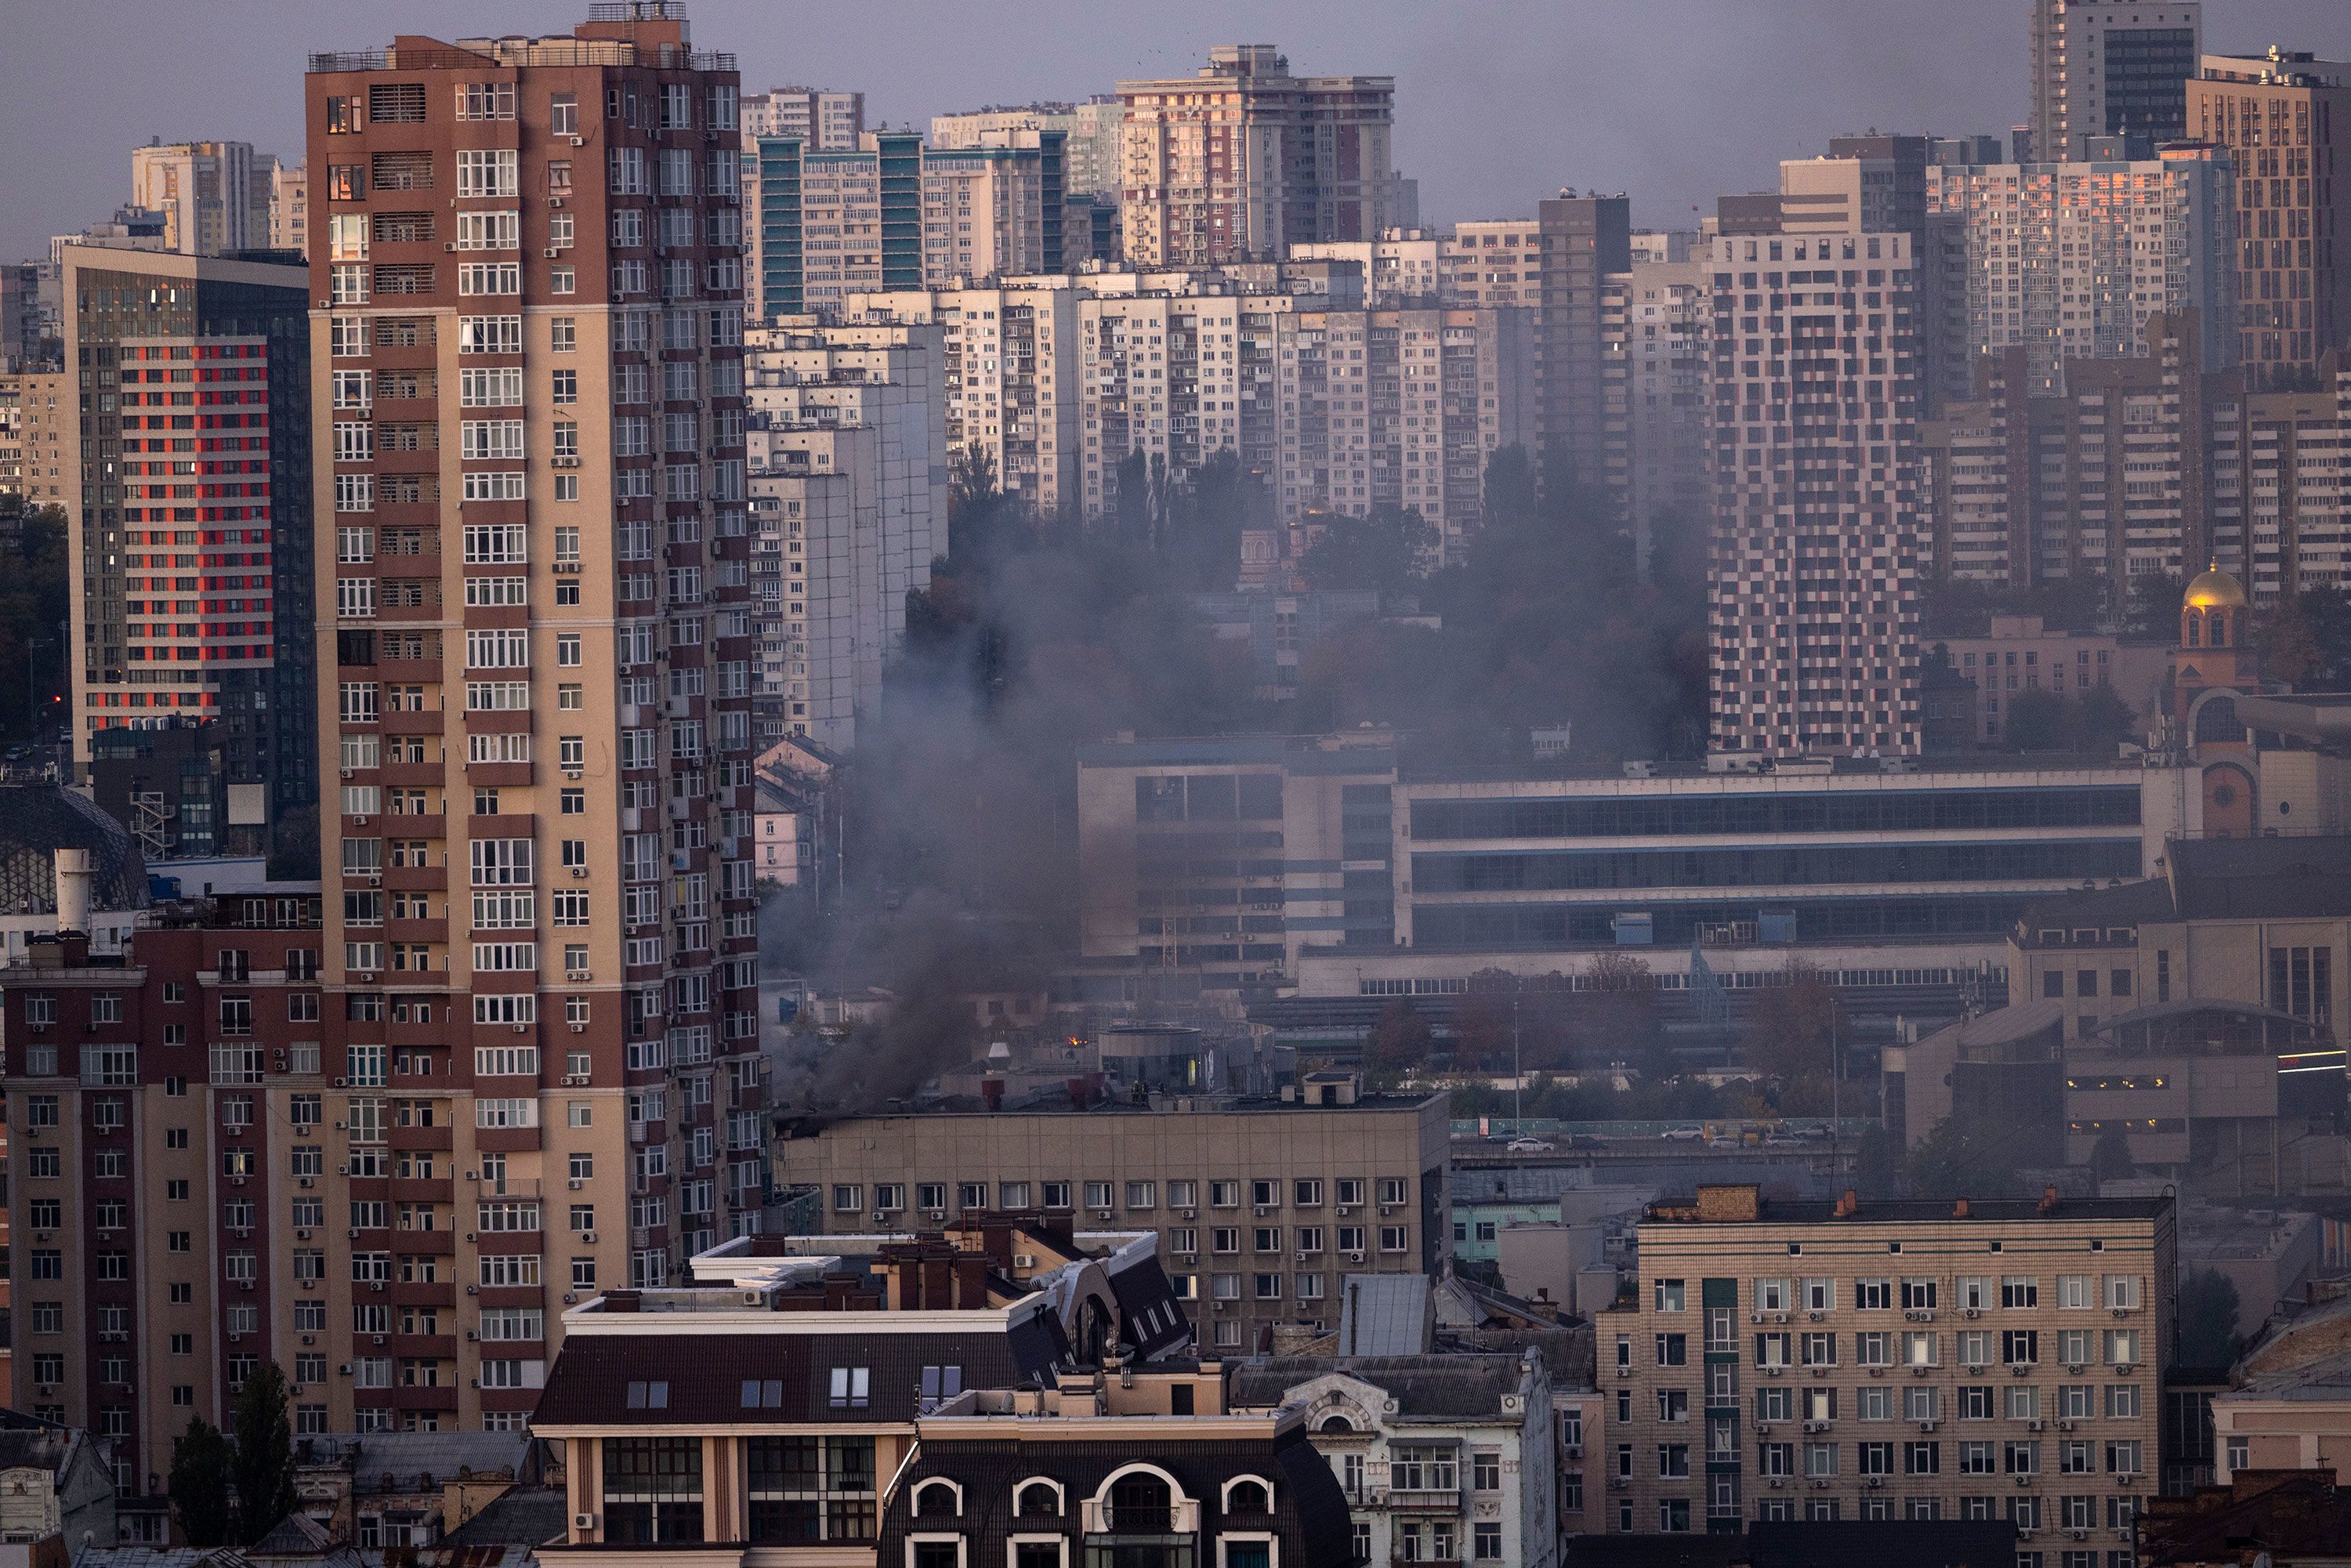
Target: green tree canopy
2208,1333
1386,548
201,1484
264,1461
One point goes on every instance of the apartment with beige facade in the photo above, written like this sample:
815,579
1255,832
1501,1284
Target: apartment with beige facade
215,196
1092,128
1262,1205
1492,261
538,964
1243,160
1942,1358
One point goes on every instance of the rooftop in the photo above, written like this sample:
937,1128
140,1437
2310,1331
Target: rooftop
1747,1205
1453,1386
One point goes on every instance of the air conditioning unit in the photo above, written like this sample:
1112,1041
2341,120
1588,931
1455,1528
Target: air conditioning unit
2080,1534
1878,1372
340,1082
1779,1317
2063,1424
2032,1425
522,1028
1777,1482
582,142
571,773
1816,1317
1972,1312
579,872
378,1339
1877,1481
301,1235
579,977
935,1214
580,1029
362,821
1223,1306
355,1234
1814,1426
1755,1317
582,1521
471,1336
1102,1214
589,1238
1354,1257
551,253
2073,1366
347,772
236,1181
470,1290
2121,1311
1928,1426
1191,1214
577,1183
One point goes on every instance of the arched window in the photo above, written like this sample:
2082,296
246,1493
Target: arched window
937,1500
1337,1424
1247,1494
1037,1499
1141,1503
2216,720
2194,629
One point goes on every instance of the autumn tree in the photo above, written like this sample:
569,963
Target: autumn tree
1398,1043
1793,1026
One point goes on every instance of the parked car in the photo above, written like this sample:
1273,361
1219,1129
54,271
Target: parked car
1532,1147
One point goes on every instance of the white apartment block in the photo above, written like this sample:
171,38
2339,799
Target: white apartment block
1813,591
289,208
2277,462
2070,259
1091,127
825,120
1492,261
1008,360
1410,1435
1400,408
1401,267
847,448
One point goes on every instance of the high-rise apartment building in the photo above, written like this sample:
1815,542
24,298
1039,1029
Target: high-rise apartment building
1243,160
215,196
1091,129
1400,408
2110,67
1922,1359
2286,120
1401,267
188,499
893,213
848,481
1008,360
2069,260
824,119
289,208
44,431
1492,261
1813,577
1658,324
2141,464
1584,239
538,967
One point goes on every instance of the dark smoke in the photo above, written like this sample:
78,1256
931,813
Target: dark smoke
949,864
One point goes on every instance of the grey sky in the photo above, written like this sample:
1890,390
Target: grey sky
1498,102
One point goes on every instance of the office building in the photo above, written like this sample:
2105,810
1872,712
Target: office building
2286,120
892,214
2018,653
1923,1359
545,643
215,196
1492,261
2106,244
1584,239
1813,577
1259,1202
187,490
2110,67
823,119
289,208
1091,129
1243,160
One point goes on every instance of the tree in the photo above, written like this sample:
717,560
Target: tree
1398,1043
264,1461
2152,615
2288,643
202,1485
1385,550
2110,1157
1790,1031
2208,1333
2034,721
1961,1159
2099,718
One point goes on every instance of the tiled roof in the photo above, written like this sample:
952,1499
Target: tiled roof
705,1372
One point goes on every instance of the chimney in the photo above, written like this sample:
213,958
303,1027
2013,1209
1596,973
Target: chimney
2048,1204
1960,1210
971,1281
991,1093
1846,1205
73,892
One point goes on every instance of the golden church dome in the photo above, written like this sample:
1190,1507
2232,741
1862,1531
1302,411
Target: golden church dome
2214,589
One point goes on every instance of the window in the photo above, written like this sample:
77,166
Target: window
851,1387
1669,1295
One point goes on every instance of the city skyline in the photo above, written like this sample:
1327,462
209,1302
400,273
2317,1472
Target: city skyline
1789,92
